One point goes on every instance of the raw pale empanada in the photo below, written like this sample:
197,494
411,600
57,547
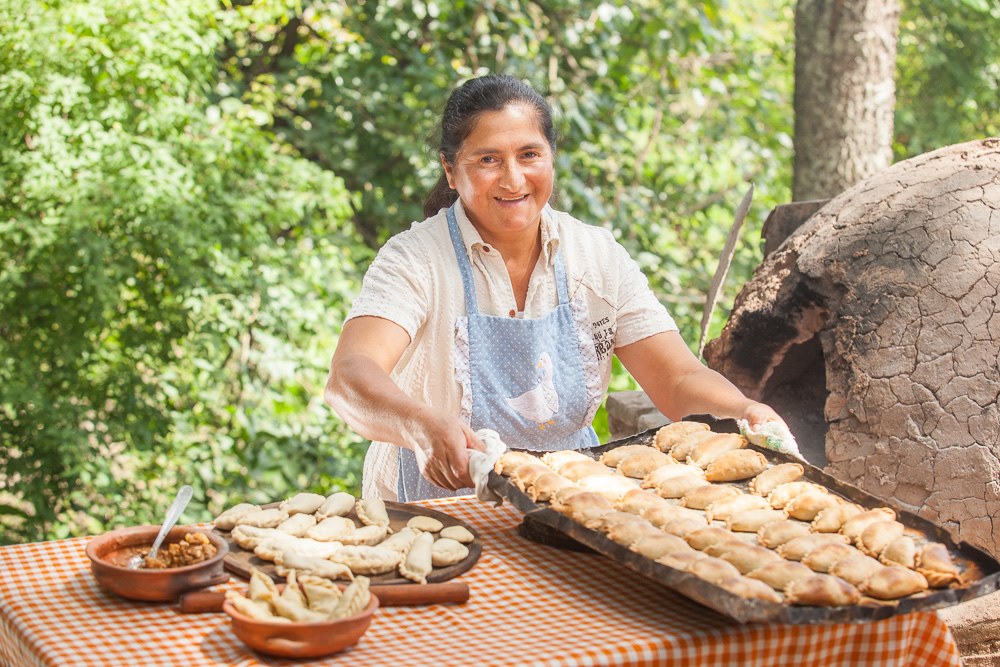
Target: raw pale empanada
249,537
854,525
704,537
418,562
369,560
806,506
637,500
722,509
511,460
627,533
653,479
321,594
655,545
612,487
613,457
297,524
797,547
640,464
321,567
269,548
782,473
775,534
856,569
901,551
302,503
336,504
709,449
354,598
557,460
426,524
935,563
372,512
750,521
831,519
661,515
749,557
366,535
675,432
821,590
447,551
400,541
783,493
292,592
825,556
676,487
703,496
779,573
680,560
681,527
735,465
253,608
331,528
712,569
577,470
269,518
227,520
877,535
261,587
458,533
750,589
893,582
298,613
526,475
546,484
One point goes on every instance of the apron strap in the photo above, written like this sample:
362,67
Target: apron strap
561,279
464,266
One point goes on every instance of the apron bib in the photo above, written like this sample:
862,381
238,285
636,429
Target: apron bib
526,379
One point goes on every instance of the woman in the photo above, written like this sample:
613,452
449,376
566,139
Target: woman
499,312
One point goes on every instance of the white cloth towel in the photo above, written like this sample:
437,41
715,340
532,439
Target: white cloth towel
481,463
772,435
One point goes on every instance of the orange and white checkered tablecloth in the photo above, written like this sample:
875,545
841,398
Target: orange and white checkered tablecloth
530,605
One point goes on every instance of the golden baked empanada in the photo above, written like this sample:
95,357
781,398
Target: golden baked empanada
901,551
680,560
704,537
524,476
935,563
681,527
806,506
709,449
825,556
831,519
821,590
856,569
612,487
751,521
712,569
703,496
683,447
877,535
577,470
604,522
779,573
748,557
653,546
664,472
556,460
893,582
661,515
724,546
640,464
583,501
511,460
766,481
613,457
560,496
676,487
775,534
783,493
546,484
854,525
627,533
672,433
637,500
720,510
735,465
797,547
750,589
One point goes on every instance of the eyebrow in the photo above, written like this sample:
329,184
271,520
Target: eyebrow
486,151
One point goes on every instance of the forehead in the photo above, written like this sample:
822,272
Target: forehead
513,126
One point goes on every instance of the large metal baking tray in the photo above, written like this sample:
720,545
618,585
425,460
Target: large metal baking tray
980,572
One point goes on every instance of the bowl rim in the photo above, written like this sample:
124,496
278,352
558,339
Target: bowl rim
231,611
221,545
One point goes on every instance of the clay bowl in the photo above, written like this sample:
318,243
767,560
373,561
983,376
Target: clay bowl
301,640
151,585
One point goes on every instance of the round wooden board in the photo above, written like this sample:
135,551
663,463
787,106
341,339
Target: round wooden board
239,561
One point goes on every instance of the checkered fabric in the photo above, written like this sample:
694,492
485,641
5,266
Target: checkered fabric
530,605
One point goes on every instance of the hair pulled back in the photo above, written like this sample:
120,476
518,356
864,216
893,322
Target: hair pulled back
493,92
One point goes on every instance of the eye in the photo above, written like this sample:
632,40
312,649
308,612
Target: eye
488,159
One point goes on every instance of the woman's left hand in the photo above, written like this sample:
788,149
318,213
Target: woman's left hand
759,413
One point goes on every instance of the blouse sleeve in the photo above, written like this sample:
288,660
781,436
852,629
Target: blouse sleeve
395,286
640,314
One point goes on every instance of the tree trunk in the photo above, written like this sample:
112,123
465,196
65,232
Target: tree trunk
845,55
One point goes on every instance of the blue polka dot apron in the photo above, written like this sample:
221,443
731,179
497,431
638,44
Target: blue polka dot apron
526,378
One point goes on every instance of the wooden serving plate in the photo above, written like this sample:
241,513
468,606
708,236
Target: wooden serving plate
239,561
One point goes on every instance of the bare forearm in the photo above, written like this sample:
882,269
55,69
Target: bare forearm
702,391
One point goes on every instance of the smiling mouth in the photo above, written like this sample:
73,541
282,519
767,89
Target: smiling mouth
511,200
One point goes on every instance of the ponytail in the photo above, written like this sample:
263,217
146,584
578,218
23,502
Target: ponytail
441,196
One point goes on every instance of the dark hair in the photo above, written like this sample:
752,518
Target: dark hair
493,92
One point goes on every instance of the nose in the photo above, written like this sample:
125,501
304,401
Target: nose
513,176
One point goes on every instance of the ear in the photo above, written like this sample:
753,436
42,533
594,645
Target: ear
448,173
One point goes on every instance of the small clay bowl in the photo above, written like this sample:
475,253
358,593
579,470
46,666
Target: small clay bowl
163,585
301,640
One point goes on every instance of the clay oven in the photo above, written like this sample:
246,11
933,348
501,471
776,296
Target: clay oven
875,329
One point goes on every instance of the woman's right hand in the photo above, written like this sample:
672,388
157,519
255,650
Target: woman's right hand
441,446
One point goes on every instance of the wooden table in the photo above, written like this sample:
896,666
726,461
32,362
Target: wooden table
530,605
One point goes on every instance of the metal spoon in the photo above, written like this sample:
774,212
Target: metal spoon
176,508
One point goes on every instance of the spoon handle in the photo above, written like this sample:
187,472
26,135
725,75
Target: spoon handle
174,513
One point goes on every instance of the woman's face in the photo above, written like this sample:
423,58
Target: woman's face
503,173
